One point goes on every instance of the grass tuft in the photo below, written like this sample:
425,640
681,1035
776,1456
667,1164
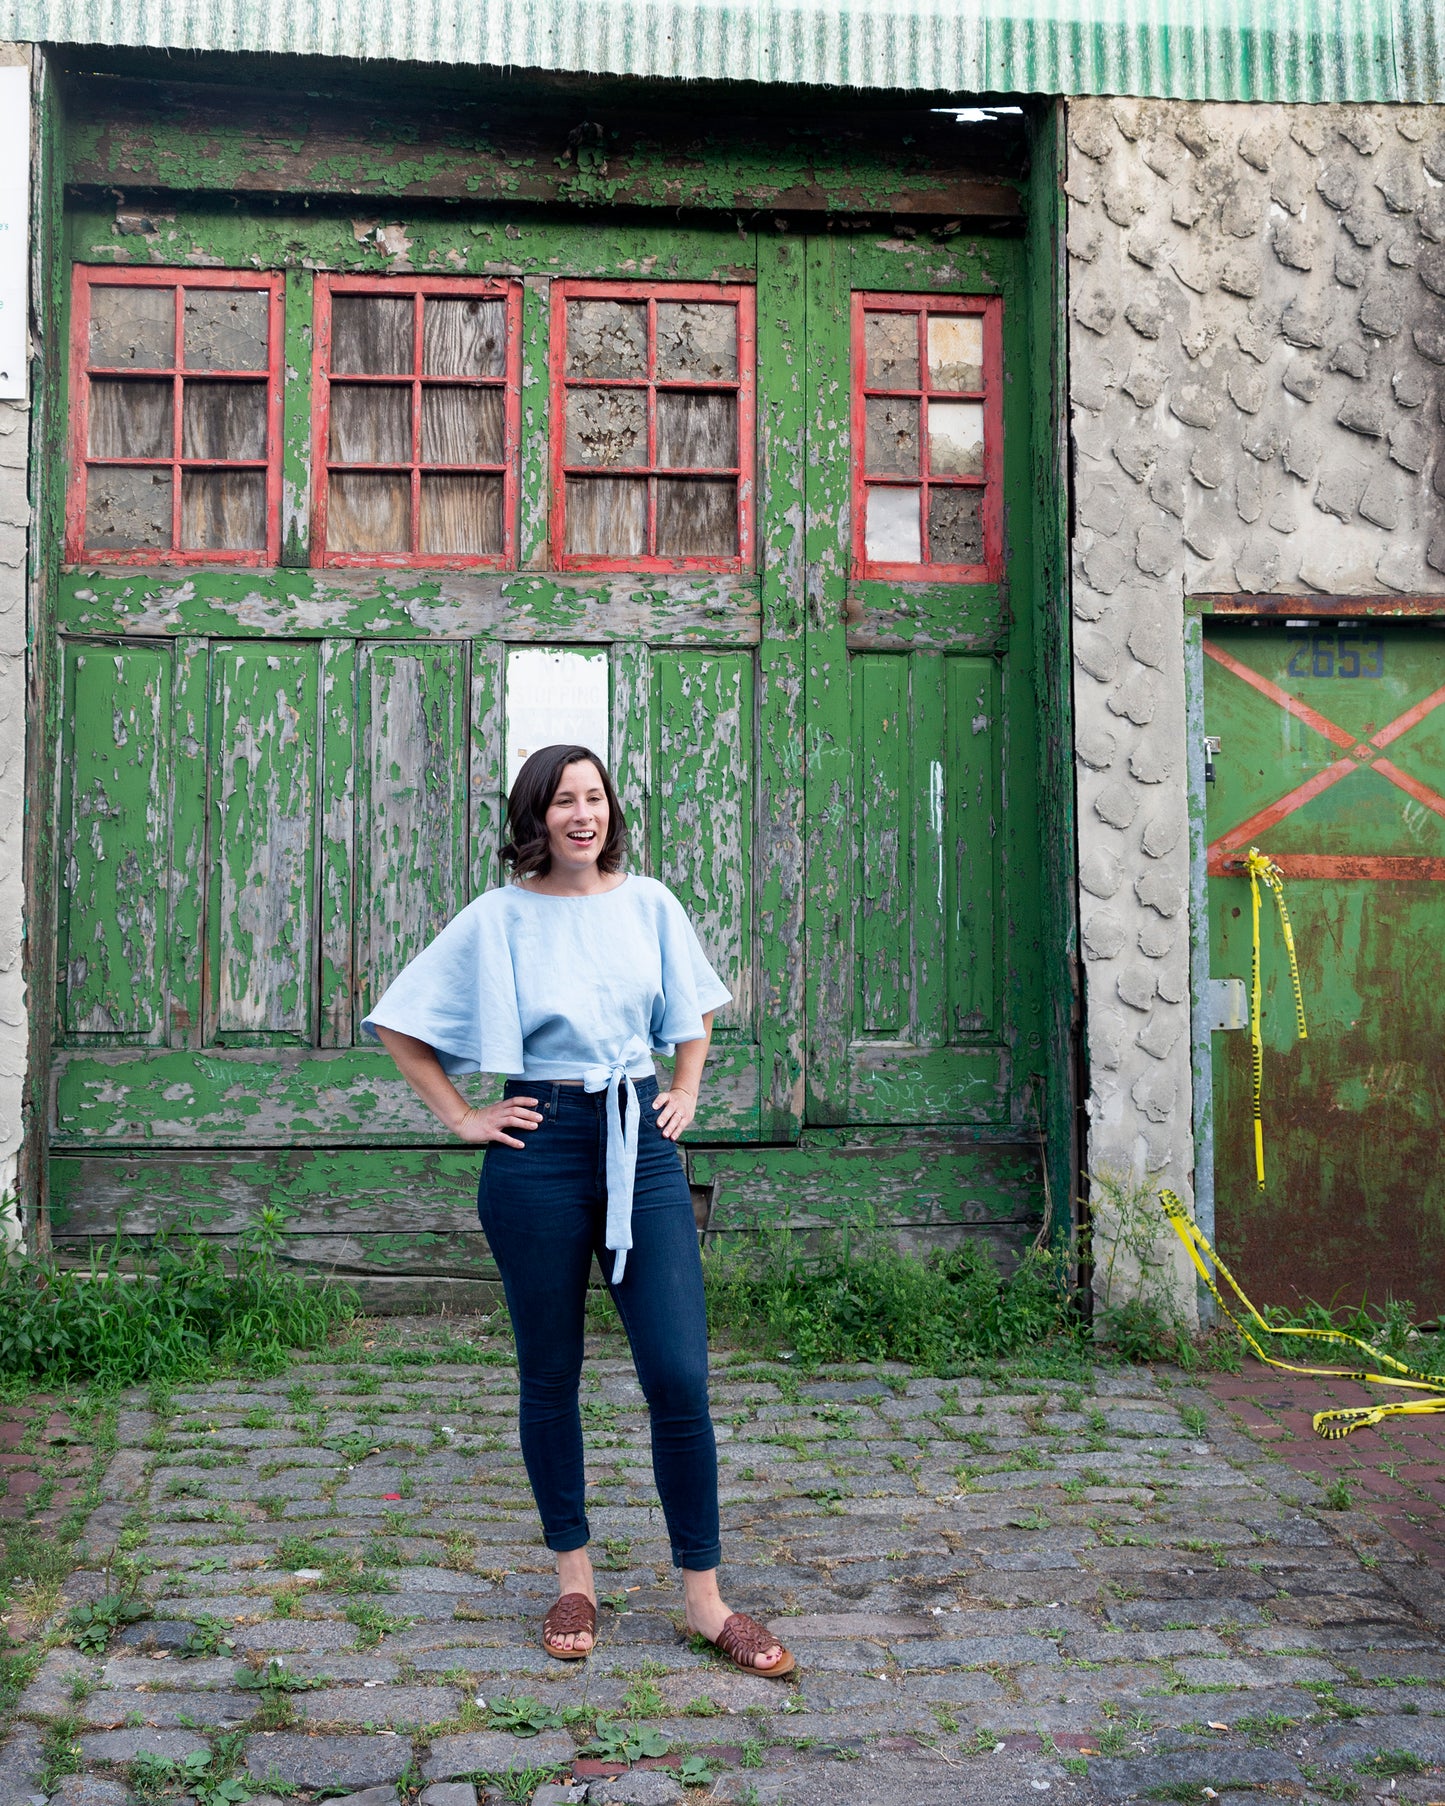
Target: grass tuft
162,1311
859,1300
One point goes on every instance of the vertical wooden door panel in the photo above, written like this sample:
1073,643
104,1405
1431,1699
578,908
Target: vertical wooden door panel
704,811
881,743
488,803
117,842
264,828
412,817
190,757
974,806
338,838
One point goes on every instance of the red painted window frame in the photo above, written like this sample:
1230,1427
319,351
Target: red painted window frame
448,287
744,297
990,307
84,277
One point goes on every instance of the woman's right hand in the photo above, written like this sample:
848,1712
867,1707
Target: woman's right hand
492,1122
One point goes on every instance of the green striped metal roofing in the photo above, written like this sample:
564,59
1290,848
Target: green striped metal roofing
1278,50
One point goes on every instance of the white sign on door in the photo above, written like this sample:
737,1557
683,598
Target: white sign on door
555,698
14,232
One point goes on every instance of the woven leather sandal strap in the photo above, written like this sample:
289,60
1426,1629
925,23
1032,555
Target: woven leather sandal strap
570,1615
743,1639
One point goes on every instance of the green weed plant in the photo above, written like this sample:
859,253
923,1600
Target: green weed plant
164,1310
851,1298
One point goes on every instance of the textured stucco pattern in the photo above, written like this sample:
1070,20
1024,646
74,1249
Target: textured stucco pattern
1257,375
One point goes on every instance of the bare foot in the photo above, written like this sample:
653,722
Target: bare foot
574,1575
705,1612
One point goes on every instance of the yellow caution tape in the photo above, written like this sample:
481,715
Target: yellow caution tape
1326,1423
1263,870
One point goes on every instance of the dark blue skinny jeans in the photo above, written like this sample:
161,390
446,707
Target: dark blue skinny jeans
544,1210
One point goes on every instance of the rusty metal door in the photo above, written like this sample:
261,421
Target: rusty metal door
1332,760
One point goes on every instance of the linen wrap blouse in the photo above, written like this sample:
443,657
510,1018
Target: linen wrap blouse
545,987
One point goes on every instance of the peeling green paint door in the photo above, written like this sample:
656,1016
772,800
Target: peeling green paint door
925,981
1332,761
305,765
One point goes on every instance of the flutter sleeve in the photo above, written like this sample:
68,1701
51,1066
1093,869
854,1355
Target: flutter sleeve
690,987
459,995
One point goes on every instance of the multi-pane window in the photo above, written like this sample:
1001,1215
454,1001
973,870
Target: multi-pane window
176,412
652,426
927,437
415,408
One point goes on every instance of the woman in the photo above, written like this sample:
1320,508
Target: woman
567,980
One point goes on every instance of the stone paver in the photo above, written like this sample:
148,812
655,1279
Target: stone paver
1395,1472
43,1465
1100,1590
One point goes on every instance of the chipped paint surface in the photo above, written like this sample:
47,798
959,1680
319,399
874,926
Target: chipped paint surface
354,757
116,835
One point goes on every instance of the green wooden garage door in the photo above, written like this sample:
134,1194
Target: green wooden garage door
337,546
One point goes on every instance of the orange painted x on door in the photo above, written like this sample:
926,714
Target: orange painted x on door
1332,761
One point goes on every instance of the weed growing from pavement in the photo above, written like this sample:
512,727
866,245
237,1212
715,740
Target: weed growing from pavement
851,1297
163,1310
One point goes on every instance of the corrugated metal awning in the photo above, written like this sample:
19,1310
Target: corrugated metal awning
1277,50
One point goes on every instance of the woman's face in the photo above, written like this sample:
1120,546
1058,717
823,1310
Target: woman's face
577,818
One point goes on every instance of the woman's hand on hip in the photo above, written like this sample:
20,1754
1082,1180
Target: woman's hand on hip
675,1111
493,1121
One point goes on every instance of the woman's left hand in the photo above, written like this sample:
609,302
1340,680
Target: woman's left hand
675,1111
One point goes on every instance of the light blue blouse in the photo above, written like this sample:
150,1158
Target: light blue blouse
544,987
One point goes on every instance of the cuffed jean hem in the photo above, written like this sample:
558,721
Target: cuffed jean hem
563,1542
702,1561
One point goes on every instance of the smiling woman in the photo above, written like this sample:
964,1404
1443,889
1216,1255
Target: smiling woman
568,980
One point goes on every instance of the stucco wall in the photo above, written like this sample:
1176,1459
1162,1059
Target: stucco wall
1257,365
14,528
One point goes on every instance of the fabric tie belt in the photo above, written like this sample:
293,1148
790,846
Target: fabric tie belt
621,1146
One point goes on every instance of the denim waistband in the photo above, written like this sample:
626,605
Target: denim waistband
552,1094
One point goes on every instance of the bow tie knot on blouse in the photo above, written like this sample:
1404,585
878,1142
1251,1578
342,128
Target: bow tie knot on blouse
622,1132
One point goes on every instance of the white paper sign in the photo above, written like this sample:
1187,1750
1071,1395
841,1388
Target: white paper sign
14,232
555,698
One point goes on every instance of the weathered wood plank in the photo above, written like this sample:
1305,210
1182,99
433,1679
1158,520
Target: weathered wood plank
882,742
894,161
273,1096
309,1191
264,827
296,421
703,784
117,842
972,893
932,780
519,606
828,741
411,853
187,886
631,754
778,787
338,829
907,617
890,1084
488,801
928,1179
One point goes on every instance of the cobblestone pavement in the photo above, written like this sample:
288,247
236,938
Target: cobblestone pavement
1100,1591
42,1463
1395,1473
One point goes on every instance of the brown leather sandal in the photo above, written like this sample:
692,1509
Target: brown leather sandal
570,1616
742,1639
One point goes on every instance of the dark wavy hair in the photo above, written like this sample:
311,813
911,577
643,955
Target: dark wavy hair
526,851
